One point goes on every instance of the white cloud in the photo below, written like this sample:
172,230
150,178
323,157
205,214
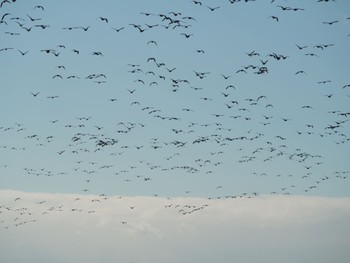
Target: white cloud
76,228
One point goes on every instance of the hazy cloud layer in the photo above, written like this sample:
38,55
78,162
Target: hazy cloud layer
40,227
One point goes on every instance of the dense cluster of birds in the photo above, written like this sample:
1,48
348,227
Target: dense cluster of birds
203,134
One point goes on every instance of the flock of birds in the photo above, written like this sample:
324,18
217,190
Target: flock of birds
203,134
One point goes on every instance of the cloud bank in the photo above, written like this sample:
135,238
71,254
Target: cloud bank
42,227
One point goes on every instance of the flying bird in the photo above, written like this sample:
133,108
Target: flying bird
23,53
35,94
275,18
33,19
39,7
331,22
300,47
103,19
186,35
118,29
213,8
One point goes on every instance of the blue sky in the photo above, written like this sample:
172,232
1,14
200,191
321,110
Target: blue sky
147,131
287,136
152,116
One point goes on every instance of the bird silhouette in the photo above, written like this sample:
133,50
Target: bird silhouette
331,22
213,8
186,35
275,18
118,29
33,19
104,19
85,28
39,7
23,53
35,94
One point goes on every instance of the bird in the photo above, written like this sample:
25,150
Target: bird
35,94
4,2
331,22
103,19
39,7
301,47
4,15
6,48
170,70
12,33
225,77
152,42
253,53
175,14
97,53
311,54
85,28
324,81
28,29
241,70
42,26
285,8
151,26
118,29
151,59
23,52
213,8
146,14
306,107
188,18
153,83
275,18
230,86
72,77
33,19
186,35
196,2
131,91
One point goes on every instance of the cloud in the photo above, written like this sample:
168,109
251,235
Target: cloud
42,227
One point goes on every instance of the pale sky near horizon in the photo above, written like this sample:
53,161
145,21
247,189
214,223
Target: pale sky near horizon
162,127
61,228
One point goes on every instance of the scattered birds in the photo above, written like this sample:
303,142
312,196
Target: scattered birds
176,111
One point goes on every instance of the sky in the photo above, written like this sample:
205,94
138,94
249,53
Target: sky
199,101
62,228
